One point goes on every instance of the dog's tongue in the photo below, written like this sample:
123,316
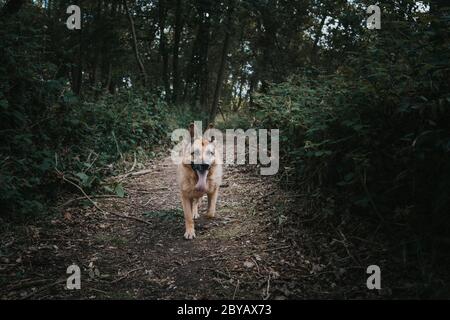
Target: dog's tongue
201,184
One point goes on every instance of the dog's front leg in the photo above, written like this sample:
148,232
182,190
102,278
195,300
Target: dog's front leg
195,203
212,199
188,218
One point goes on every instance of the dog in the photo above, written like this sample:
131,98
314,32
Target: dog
199,173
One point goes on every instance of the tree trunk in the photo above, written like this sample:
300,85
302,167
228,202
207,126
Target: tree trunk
107,84
135,45
176,49
162,48
189,72
221,72
77,67
98,45
202,67
241,86
252,88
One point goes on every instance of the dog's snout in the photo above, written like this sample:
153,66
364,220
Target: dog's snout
201,167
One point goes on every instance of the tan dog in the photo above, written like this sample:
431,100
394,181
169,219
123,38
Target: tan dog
199,173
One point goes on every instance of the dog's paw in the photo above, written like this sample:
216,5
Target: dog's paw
196,215
189,234
211,215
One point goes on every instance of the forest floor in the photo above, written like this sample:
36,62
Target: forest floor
253,249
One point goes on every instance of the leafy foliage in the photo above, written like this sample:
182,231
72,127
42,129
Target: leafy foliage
45,126
376,132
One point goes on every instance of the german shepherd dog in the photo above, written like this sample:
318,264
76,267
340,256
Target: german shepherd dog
199,177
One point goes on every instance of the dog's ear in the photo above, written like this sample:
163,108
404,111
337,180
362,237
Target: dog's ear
212,138
192,130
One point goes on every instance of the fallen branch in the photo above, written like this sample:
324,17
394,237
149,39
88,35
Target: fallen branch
267,289
133,174
127,274
274,249
95,204
235,290
43,288
101,196
266,195
26,283
149,190
344,242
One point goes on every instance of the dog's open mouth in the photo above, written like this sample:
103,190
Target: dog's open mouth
202,173
201,183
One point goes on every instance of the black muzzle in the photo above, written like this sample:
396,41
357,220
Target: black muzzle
200,167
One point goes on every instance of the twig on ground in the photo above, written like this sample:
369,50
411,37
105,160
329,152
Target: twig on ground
100,196
148,201
267,289
344,243
257,265
26,283
235,290
133,174
278,248
98,290
94,203
127,274
266,195
65,239
150,190
43,288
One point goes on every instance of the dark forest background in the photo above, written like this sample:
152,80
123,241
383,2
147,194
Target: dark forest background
364,114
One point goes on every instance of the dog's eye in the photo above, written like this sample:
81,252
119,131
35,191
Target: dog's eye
211,153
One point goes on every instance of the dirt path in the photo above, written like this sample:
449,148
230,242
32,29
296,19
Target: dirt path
251,250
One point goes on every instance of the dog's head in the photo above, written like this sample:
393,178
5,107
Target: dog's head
200,156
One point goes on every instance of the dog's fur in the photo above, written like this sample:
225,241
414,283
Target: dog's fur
192,190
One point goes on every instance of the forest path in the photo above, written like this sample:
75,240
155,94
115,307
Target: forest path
247,252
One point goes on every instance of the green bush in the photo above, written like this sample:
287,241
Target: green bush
83,139
376,132
45,126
